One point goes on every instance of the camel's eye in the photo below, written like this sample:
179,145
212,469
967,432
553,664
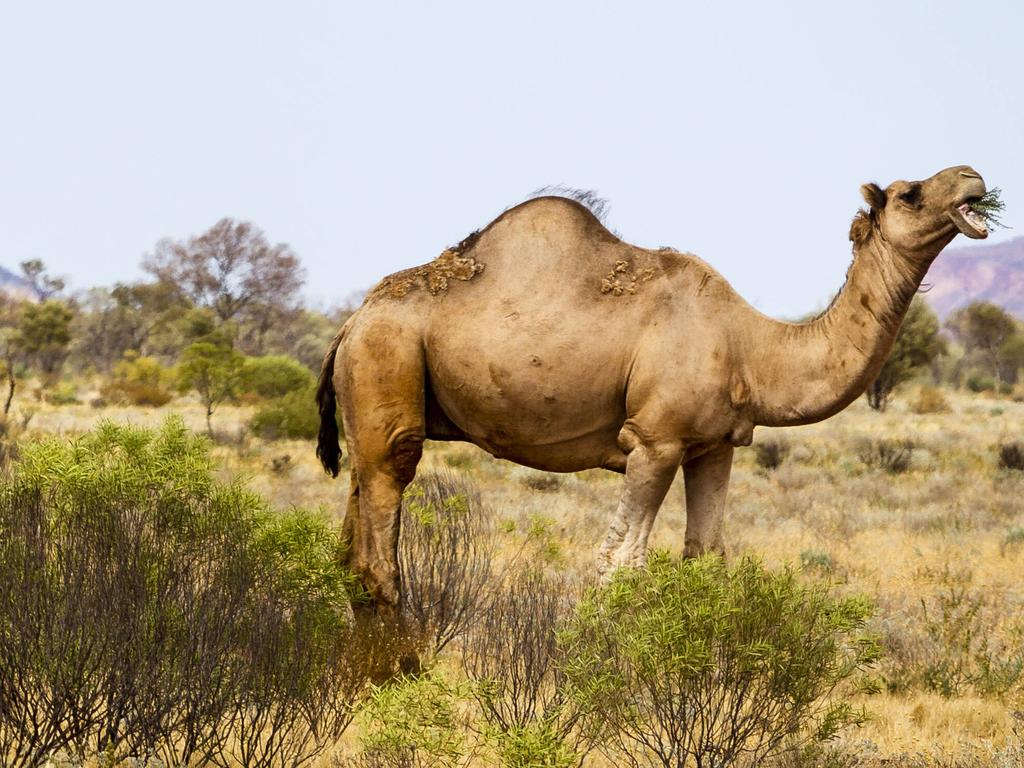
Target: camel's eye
911,196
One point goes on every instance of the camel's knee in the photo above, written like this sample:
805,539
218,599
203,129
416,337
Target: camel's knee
405,454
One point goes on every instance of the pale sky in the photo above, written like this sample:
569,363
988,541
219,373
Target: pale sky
371,135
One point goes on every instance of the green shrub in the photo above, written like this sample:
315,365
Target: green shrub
656,656
980,382
814,560
274,376
149,610
290,417
413,722
63,393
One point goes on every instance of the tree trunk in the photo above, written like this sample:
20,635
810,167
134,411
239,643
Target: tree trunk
209,425
11,383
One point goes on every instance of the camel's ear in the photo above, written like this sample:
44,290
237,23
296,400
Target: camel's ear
874,196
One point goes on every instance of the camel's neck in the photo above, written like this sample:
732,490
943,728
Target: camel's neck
802,373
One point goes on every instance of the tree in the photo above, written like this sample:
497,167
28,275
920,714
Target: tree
1011,356
213,371
9,348
233,270
44,285
917,344
44,334
984,327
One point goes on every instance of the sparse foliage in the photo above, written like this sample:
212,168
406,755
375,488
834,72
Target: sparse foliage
44,285
233,270
892,456
445,552
512,658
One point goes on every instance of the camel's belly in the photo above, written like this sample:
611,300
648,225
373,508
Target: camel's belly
549,407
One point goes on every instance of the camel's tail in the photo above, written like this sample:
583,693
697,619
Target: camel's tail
328,447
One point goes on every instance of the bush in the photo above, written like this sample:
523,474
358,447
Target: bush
274,376
892,456
656,656
512,659
444,553
770,453
290,417
413,722
149,610
980,382
139,381
929,400
62,394
1011,456
814,560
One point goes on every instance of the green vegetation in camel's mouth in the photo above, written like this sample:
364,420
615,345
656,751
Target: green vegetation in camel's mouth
986,210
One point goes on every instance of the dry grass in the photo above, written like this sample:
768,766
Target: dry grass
953,518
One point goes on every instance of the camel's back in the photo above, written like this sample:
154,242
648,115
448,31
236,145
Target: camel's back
552,254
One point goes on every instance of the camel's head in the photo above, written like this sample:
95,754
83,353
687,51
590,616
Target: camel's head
921,217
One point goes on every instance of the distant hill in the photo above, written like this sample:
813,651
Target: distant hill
982,272
13,284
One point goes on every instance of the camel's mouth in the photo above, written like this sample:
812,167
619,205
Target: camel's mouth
969,221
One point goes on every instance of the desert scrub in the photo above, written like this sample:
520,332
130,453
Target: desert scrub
892,456
512,659
771,453
1011,456
929,400
657,655
954,640
445,550
139,381
414,722
152,611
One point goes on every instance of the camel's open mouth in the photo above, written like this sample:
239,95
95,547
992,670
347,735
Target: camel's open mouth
969,221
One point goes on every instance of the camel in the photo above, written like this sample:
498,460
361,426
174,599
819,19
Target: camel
548,341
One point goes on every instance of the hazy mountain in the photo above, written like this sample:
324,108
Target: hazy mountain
11,283
981,272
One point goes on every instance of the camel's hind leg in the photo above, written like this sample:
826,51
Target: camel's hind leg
380,379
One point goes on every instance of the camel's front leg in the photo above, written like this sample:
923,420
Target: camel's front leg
650,470
707,482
